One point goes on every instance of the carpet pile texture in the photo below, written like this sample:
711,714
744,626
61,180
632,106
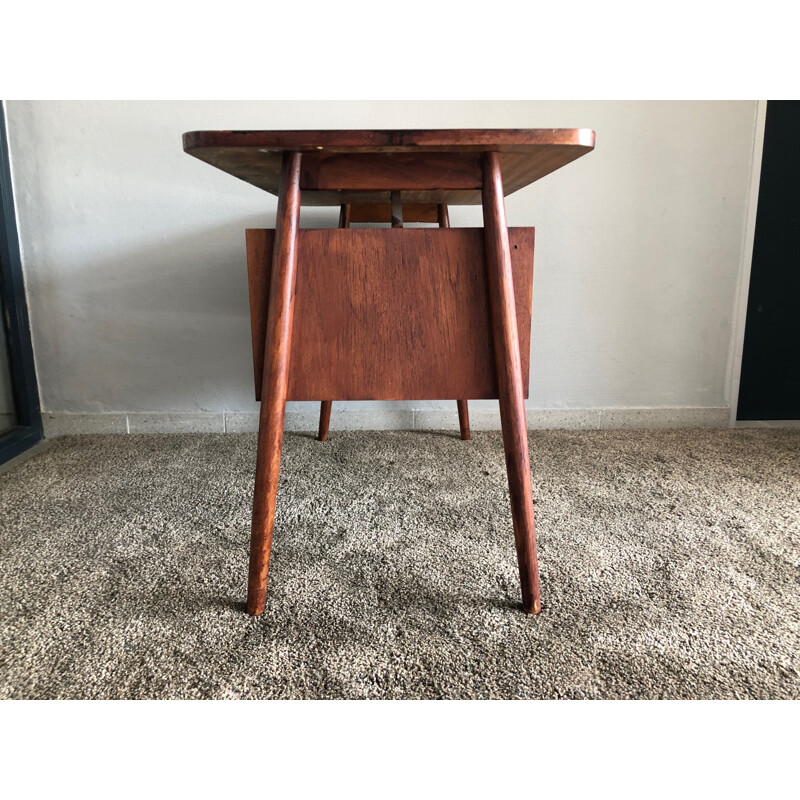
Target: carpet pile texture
670,564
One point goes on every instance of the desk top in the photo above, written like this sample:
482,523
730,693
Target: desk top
359,166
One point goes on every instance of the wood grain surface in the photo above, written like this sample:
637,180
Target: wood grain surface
345,214
362,167
443,218
276,350
512,378
390,171
418,212
391,314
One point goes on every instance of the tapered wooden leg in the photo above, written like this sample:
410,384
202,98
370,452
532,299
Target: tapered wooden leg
275,381
463,419
324,420
509,379
325,405
463,409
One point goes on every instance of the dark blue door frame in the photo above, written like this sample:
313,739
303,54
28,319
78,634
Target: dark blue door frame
14,318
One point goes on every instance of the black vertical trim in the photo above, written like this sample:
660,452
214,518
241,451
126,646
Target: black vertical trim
770,383
15,319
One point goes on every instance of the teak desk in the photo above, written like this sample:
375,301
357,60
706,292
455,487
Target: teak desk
390,314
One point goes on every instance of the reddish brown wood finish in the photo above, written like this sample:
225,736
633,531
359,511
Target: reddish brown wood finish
510,379
500,140
430,166
392,313
324,420
389,172
416,212
260,249
397,210
275,381
463,408
463,419
325,406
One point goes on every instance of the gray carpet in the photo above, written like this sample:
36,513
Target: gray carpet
669,565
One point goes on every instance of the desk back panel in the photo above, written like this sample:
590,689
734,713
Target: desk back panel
390,314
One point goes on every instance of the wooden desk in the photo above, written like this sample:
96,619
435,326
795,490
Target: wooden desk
390,314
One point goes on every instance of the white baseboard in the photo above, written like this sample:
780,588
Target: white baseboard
64,424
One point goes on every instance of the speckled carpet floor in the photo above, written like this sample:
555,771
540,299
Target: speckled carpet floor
669,559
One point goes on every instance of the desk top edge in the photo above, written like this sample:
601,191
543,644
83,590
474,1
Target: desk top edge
396,140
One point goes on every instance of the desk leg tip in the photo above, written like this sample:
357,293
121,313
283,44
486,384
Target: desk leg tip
324,420
533,608
256,605
463,419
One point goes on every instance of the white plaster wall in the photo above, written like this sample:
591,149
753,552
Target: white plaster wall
134,252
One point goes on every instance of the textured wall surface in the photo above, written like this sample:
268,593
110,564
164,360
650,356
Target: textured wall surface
134,252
